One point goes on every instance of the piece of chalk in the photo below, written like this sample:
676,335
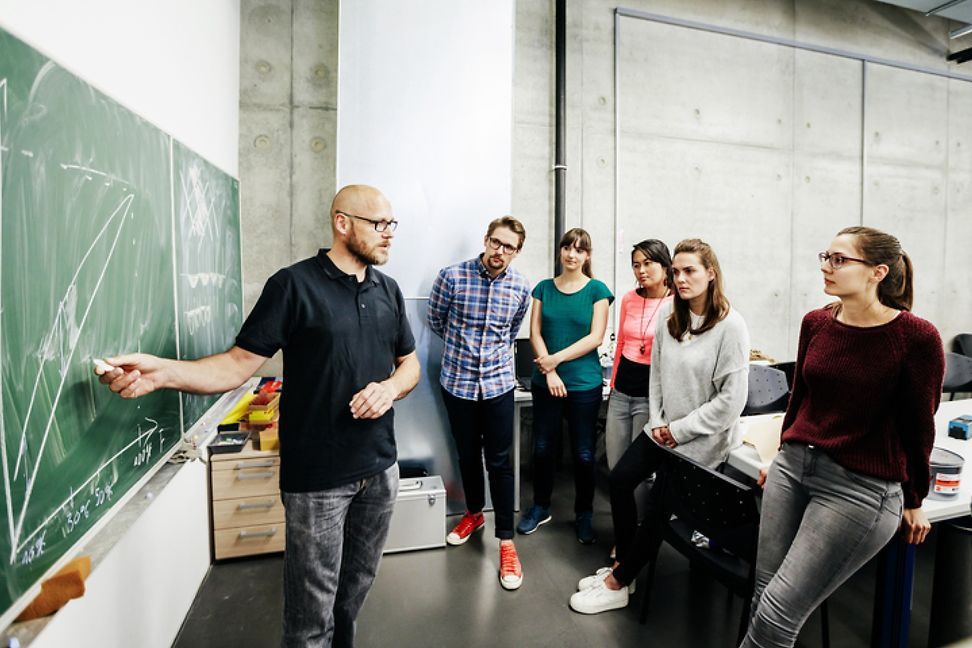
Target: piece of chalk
101,364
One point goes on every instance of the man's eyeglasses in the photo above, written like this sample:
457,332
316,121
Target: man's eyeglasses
837,261
380,225
497,244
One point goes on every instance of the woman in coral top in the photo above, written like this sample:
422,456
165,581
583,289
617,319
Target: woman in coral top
857,435
627,412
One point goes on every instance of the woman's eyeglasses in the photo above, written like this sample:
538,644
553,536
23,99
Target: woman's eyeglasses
837,261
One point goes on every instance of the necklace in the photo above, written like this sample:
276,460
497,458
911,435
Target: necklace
644,328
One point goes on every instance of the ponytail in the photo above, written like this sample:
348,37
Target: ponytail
896,290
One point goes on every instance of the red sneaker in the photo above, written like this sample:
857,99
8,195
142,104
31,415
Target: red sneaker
470,522
510,572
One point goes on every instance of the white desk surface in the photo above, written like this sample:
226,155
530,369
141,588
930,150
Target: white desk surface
747,460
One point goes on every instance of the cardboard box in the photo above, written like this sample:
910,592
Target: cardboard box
419,518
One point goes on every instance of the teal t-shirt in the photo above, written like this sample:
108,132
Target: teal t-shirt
564,319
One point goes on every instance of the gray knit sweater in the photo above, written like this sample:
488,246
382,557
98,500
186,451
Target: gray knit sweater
699,386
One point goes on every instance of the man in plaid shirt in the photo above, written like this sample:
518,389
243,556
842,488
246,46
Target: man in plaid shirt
476,307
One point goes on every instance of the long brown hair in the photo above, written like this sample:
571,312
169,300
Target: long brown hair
580,239
716,304
896,290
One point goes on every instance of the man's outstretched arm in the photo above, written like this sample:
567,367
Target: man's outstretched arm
138,374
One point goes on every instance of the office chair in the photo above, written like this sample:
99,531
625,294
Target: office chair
958,374
963,344
726,512
768,391
788,368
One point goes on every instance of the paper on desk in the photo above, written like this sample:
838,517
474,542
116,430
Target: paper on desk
763,433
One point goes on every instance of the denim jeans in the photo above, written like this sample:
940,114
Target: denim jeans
819,524
626,419
485,428
580,408
334,542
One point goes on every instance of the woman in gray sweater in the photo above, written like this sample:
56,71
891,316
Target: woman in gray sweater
697,390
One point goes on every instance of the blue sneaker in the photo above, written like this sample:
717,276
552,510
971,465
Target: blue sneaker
533,518
584,525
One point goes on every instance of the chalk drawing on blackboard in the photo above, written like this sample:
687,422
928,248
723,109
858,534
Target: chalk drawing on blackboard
58,346
97,496
109,179
199,207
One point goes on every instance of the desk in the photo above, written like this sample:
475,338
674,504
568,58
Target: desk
523,398
896,563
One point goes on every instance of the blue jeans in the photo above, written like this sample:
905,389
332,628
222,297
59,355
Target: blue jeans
626,419
334,542
580,408
485,428
819,524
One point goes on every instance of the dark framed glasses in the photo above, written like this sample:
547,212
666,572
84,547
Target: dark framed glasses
497,244
836,261
380,225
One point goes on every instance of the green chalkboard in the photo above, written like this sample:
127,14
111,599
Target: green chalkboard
93,201
209,266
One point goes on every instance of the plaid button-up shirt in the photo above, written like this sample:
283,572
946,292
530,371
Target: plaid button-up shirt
477,316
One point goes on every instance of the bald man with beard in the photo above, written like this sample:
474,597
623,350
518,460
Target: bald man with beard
348,355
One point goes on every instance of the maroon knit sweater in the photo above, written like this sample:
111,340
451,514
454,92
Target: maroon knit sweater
868,396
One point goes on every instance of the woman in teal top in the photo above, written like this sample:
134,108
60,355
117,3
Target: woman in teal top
567,324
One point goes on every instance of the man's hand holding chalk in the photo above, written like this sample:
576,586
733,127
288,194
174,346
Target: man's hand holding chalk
130,376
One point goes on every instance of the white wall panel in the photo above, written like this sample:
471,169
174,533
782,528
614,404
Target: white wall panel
425,113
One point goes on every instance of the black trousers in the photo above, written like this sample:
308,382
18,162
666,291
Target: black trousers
637,544
484,428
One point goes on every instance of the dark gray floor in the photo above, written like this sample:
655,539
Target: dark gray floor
451,597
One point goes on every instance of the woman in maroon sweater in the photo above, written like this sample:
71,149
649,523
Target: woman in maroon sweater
857,435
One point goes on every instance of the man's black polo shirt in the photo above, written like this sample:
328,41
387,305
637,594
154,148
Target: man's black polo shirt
337,336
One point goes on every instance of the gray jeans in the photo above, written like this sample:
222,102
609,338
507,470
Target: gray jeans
334,542
626,417
819,524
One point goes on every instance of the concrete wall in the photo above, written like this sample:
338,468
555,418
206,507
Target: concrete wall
288,126
765,151
770,192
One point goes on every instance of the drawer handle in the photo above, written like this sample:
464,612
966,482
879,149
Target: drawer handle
263,463
256,475
246,506
269,533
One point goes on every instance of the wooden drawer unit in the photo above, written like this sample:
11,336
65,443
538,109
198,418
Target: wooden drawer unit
247,514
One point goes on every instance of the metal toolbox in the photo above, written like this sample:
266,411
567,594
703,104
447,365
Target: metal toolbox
419,518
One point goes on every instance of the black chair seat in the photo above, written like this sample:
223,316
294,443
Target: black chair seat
963,344
730,570
958,374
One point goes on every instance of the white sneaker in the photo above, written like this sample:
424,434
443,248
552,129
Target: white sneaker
598,577
599,598
590,581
